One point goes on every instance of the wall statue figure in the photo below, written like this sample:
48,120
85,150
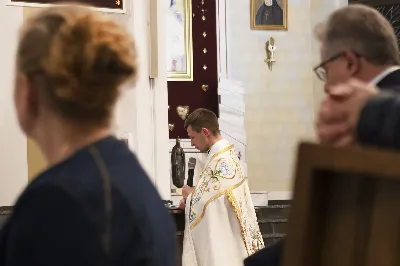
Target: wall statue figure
178,164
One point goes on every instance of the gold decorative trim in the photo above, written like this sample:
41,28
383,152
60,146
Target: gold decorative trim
220,152
232,200
188,74
198,220
219,39
204,87
205,167
226,44
222,176
183,111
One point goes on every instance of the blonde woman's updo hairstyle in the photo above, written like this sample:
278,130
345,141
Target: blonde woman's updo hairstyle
77,59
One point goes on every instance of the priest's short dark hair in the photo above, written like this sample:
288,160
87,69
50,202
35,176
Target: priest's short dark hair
203,118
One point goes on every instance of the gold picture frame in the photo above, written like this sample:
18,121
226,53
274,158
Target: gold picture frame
261,19
179,41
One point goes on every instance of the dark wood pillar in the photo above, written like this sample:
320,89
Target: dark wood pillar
205,68
179,218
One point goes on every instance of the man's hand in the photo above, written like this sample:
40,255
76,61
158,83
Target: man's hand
182,204
186,191
339,113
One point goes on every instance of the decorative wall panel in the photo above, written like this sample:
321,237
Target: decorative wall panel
392,13
203,90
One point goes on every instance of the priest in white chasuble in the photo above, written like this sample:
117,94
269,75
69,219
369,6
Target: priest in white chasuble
221,226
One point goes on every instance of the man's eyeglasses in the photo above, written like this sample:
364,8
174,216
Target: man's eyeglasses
320,69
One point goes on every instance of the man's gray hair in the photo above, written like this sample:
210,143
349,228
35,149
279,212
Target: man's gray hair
362,30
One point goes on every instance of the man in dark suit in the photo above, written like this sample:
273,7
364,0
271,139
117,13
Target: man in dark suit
351,47
268,256
355,47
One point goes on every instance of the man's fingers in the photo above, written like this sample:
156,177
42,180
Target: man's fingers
344,141
356,83
338,114
182,204
330,133
349,88
341,91
332,121
330,112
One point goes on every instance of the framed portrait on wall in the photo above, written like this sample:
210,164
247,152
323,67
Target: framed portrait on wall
179,49
110,6
268,14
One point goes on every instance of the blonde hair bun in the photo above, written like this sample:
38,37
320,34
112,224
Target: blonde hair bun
84,55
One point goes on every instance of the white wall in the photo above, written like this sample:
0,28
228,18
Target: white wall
143,110
280,104
13,166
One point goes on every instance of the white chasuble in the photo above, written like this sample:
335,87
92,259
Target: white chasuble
221,226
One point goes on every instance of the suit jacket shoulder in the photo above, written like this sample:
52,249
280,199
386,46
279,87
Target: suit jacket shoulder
270,256
391,82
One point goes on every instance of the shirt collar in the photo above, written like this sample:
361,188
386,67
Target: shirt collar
219,145
384,74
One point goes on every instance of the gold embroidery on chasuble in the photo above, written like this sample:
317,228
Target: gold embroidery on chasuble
223,176
209,186
245,213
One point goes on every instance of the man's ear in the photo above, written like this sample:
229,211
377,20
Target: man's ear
353,62
205,131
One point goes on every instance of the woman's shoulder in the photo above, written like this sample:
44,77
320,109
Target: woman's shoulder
49,206
46,196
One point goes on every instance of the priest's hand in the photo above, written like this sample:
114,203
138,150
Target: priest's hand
340,111
182,204
186,191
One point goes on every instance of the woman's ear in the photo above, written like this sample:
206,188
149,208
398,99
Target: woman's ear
35,93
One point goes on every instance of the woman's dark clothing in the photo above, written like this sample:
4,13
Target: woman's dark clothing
98,207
